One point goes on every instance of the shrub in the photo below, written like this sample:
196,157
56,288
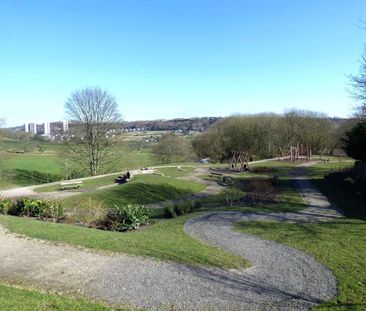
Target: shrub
262,169
182,208
261,190
169,212
355,142
31,208
6,205
53,210
125,218
275,180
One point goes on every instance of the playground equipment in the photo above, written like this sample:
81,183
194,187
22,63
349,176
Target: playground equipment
239,162
293,153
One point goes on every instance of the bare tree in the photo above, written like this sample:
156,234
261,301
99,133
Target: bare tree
95,113
358,83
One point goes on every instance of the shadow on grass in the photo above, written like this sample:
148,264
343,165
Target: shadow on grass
345,196
140,193
27,177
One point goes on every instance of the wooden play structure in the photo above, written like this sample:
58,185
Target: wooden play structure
239,162
293,153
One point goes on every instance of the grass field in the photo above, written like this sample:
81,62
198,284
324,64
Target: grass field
340,245
164,240
42,163
16,299
143,189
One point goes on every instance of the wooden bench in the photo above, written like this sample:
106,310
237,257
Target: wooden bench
71,184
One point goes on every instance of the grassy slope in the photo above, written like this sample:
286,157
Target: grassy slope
143,189
340,245
44,164
163,240
91,184
15,299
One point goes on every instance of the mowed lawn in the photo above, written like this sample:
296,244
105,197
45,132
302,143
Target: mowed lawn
16,299
30,169
165,240
143,189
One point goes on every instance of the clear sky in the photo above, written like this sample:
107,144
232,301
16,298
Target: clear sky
179,58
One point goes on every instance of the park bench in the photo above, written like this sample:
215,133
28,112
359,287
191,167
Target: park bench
71,184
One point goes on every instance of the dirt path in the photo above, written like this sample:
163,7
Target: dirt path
281,277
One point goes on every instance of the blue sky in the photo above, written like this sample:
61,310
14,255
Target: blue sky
165,59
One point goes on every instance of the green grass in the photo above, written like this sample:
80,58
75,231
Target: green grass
16,299
288,200
339,245
164,240
90,184
319,170
30,169
143,189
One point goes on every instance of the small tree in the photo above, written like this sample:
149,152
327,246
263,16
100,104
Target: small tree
355,142
95,114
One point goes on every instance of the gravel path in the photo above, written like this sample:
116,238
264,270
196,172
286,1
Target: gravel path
29,192
281,278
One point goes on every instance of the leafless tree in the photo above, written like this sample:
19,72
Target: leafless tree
95,115
358,83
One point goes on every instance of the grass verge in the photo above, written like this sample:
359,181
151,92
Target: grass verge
143,189
164,240
16,299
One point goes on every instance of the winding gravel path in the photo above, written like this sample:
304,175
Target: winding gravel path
281,278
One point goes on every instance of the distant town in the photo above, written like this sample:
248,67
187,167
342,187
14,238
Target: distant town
57,130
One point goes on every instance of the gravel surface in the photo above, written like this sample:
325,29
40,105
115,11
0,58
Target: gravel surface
281,278
28,192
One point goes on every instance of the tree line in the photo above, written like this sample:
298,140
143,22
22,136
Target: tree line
264,135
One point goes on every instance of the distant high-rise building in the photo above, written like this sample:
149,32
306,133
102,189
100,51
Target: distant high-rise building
26,127
46,128
65,126
32,128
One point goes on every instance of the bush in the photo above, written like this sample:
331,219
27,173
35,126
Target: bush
169,212
262,169
125,218
53,210
182,208
33,208
355,142
6,205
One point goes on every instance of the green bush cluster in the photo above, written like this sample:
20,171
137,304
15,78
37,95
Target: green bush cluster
124,218
41,209
181,208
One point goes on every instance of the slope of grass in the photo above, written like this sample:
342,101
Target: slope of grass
15,299
164,240
143,189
